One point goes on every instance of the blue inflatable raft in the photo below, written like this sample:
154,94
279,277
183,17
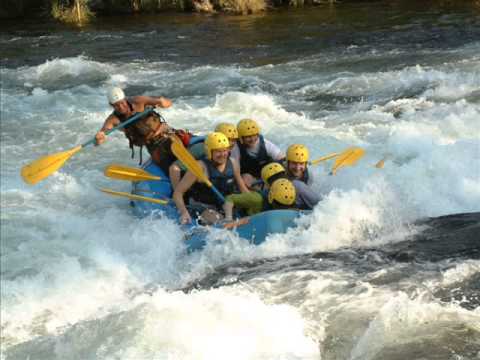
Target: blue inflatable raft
255,228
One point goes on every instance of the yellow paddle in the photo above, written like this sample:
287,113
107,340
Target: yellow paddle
347,158
324,158
134,197
46,165
122,172
380,164
41,168
191,164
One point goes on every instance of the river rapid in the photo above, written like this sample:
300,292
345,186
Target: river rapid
386,267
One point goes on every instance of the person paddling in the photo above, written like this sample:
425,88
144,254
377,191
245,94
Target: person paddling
254,151
177,169
151,131
222,171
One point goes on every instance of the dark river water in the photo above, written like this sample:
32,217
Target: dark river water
386,267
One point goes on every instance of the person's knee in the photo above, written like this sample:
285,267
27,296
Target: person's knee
174,173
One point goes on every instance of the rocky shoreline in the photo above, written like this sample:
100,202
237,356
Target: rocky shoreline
82,10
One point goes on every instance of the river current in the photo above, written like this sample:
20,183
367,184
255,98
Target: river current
386,267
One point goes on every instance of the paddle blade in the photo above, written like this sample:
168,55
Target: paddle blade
380,164
236,223
122,172
188,160
134,197
348,158
324,158
45,166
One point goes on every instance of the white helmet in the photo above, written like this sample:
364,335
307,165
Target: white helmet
115,95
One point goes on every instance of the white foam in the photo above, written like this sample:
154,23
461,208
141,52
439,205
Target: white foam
217,324
73,254
409,321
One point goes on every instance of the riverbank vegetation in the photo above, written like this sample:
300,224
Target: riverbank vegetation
81,11
77,13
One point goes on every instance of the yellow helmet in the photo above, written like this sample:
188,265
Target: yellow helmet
271,169
248,127
283,192
215,141
297,153
227,129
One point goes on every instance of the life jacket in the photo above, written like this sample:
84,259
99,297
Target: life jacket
265,204
224,182
160,148
253,165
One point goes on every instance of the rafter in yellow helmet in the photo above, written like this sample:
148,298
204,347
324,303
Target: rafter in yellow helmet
297,153
283,192
248,127
229,130
271,169
215,141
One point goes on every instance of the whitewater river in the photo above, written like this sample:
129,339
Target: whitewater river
382,269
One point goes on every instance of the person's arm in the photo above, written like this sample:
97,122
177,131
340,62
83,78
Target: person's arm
186,183
238,177
228,209
274,151
109,124
306,198
235,153
160,101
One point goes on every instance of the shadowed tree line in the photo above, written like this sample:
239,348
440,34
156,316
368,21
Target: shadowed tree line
81,11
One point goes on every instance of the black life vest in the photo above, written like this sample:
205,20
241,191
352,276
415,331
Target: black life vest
265,204
224,182
253,165
142,132
160,148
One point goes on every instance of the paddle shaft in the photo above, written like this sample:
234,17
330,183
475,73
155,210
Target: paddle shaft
134,196
218,194
324,158
121,126
191,164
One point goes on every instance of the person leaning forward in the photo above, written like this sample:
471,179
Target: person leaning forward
280,195
223,172
197,150
254,201
151,131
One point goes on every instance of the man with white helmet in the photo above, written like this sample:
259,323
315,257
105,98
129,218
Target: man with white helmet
150,131
124,108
